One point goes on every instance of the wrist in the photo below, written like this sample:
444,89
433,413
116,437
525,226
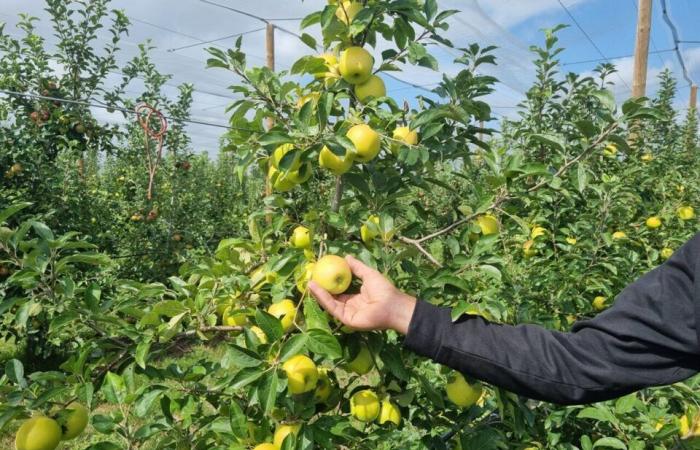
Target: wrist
404,306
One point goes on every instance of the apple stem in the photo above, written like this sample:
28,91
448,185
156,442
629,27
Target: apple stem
338,195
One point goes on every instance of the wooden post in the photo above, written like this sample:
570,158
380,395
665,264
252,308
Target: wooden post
270,52
641,49
693,97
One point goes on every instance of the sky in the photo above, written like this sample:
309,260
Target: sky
607,32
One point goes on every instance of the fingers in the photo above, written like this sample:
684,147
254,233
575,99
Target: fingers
359,269
329,303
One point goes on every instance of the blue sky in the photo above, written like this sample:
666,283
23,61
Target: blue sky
513,25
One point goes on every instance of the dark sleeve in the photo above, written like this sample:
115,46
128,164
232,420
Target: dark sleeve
647,338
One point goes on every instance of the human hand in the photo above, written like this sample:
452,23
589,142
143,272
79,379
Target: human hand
378,305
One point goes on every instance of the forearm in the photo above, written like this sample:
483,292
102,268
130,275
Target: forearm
648,337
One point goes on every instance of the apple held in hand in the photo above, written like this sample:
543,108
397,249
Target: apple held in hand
332,273
337,165
355,65
367,142
374,87
302,374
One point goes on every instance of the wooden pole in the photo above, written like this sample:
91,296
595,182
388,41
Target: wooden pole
641,49
693,97
270,53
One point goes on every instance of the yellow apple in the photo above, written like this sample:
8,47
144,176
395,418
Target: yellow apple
332,273
304,277
323,386
284,430
285,311
347,11
653,222
232,317
262,337
280,182
301,237
367,142
647,157
38,433
279,153
73,420
266,446
599,303
537,232
366,233
488,224
389,412
302,374
571,240
364,405
337,165
528,251
683,425
460,392
404,135
304,99
373,87
355,65
610,150
301,175
686,212
619,235
331,61
363,362
666,252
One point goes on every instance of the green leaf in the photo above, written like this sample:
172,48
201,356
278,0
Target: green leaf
15,372
324,343
245,377
549,140
12,210
606,98
238,420
601,414
271,325
42,230
114,388
145,401
275,138
141,354
314,316
267,391
240,357
293,346
610,442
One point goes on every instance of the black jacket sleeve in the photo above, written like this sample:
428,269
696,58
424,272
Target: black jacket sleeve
649,337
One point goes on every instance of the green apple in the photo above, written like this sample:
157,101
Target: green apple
73,420
355,65
367,142
38,433
280,181
363,362
336,164
374,87
279,153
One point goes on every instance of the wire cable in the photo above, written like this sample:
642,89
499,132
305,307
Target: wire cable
578,25
676,41
230,36
571,63
115,108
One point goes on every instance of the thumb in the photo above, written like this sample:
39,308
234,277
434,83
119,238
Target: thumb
358,268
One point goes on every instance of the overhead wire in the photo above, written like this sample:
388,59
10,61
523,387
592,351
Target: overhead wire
586,61
230,36
676,41
578,25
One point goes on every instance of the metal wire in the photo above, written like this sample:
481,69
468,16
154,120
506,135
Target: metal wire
676,41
